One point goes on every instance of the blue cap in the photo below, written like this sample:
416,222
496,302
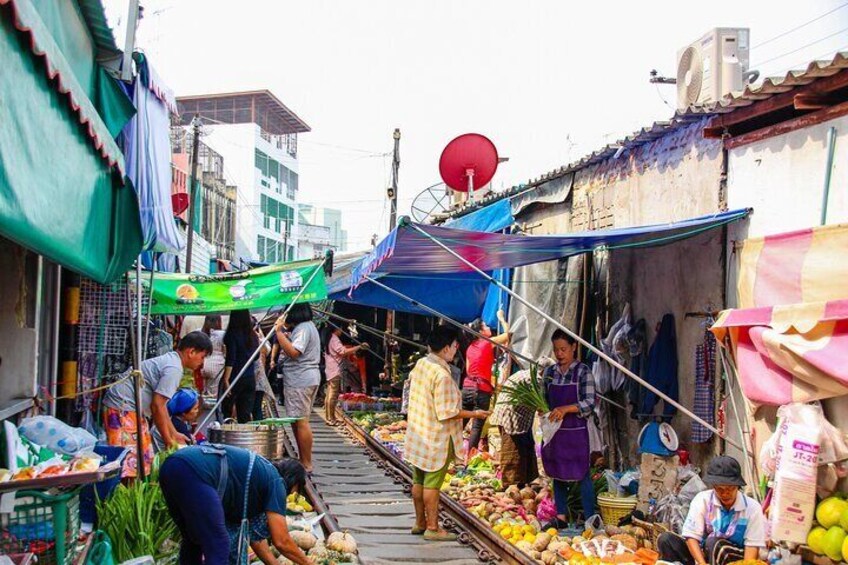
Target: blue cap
182,401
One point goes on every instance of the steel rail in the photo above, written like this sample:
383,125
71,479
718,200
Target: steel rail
473,531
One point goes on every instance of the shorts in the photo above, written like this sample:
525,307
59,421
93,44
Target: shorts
121,431
433,479
298,401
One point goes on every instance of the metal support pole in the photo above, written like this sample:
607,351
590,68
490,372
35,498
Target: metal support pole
743,437
265,340
579,339
192,209
129,42
465,328
137,376
149,307
831,145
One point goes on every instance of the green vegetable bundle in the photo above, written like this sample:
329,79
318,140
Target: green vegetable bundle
529,393
137,520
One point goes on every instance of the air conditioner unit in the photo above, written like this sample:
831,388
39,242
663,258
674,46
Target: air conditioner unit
713,66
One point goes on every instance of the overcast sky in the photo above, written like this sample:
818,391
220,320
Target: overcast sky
547,81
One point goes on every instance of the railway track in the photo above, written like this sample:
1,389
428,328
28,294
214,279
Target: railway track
473,532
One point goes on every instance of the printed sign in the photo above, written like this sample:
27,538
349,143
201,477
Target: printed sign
275,285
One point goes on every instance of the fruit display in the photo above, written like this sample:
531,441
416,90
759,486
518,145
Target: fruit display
516,515
297,503
829,535
357,401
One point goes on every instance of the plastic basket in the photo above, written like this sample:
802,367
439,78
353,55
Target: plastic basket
614,508
44,524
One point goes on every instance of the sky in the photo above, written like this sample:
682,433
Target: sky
547,81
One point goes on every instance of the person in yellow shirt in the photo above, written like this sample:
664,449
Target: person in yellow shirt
434,429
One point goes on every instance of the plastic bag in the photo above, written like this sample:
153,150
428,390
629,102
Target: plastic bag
546,511
549,428
628,480
614,482
692,487
671,510
595,523
56,435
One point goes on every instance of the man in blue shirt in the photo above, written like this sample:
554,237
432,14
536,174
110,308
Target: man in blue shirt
209,489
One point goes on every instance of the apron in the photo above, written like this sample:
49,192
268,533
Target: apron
734,532
566,456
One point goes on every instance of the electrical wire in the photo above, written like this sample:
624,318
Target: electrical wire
796,28
834,34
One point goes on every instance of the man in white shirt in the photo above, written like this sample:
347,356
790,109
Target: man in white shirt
723,524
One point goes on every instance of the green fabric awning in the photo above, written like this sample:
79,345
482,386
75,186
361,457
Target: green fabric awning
62,191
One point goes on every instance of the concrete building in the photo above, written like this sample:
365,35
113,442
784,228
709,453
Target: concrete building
256,134
313,241
329,217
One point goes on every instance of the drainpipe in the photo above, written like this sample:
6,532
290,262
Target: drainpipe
831,146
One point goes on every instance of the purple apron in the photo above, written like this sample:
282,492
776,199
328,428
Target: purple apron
566,456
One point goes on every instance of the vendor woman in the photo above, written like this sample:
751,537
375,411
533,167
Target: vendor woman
570,393
723,524
209,489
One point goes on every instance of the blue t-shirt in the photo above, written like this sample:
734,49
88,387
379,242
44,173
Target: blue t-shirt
267,490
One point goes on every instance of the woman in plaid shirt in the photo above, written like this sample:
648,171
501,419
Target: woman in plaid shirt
434,429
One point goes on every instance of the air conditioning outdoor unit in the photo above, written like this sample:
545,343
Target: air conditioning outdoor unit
713,66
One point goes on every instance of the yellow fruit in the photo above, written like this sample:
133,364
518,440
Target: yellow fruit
506,533
814,539
528,529
530,538
514,540
552,532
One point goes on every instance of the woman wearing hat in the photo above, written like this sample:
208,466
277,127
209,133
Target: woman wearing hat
723,524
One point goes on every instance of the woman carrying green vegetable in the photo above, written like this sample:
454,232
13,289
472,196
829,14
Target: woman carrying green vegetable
211,490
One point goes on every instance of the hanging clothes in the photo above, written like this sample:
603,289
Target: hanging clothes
637,340
662,369
705,365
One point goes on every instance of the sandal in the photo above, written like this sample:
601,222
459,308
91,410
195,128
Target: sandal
439,535
416,531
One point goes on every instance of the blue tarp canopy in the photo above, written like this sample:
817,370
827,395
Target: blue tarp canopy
412,264
407,251
492,218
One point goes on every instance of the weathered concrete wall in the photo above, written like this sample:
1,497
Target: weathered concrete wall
670,179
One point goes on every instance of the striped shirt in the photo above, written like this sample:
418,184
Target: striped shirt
581,374
434,403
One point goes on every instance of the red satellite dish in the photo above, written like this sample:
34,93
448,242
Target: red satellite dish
468,162
179,201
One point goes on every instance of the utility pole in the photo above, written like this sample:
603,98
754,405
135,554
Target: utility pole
393,191
192,209
393,196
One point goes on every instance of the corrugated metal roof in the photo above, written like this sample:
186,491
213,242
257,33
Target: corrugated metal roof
762,91
98,26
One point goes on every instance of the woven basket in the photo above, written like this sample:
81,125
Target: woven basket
614,508
655,529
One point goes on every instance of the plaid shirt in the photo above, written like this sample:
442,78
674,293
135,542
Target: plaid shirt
434,401
514,420
581,374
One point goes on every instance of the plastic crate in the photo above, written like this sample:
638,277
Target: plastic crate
44,524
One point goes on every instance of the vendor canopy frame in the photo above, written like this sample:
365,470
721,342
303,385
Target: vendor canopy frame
412,249
435,243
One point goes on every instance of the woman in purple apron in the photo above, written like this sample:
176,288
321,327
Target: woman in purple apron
570,392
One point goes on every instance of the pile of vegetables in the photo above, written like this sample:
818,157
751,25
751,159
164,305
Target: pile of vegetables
136,518
338,548
297,503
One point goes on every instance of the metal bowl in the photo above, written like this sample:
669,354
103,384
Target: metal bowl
264,440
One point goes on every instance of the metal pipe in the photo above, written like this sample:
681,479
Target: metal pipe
265,340
831,146
136,373
149,307
582,341
463,327
742,436
57,325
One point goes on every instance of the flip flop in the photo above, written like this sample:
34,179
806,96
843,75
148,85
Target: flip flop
416,531
440,535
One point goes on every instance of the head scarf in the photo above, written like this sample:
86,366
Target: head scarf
182,401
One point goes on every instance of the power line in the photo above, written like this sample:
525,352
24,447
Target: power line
834,34
805,24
